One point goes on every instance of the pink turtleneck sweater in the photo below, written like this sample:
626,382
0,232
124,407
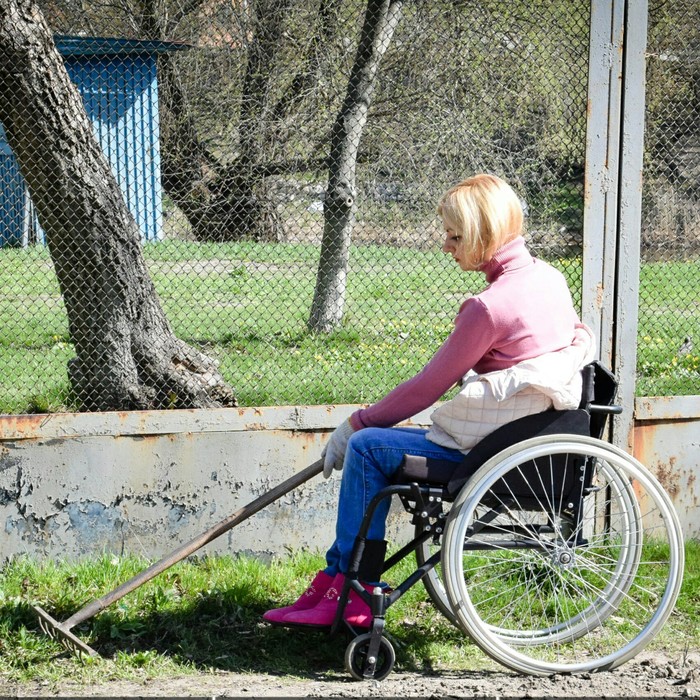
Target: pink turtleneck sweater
525,311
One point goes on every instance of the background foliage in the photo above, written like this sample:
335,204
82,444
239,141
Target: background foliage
247,107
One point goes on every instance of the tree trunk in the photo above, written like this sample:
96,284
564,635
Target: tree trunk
126,354
221,202
381,19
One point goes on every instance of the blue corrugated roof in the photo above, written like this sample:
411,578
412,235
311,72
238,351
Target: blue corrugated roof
69,45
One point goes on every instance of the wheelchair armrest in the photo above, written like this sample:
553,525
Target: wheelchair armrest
597,408
424,470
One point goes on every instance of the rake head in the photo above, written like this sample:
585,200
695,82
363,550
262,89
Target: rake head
61,633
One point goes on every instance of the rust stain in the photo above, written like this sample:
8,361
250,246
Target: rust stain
23,424
126,419
661,457
659,404
639,492
308,438
644,440
692,491
154,437
669,477
246,410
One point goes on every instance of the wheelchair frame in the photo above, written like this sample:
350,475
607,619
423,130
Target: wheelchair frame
586,537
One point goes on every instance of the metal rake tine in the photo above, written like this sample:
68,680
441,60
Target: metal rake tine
61,630
71,647
45,628
61,633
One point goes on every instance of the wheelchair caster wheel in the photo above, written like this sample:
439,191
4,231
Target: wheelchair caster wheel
357,661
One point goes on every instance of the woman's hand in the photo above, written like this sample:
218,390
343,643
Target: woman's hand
333,454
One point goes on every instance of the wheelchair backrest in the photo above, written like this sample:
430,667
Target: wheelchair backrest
598,393
575,422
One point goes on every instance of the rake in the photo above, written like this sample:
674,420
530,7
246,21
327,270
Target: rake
61,631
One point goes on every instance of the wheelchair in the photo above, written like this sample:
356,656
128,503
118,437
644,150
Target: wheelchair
553,550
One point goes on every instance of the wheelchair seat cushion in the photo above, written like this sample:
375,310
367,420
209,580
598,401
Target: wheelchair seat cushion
453,475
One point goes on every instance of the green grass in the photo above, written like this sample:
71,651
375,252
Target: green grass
247,304
203,615
664,322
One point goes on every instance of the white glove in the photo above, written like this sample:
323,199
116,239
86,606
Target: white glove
333,454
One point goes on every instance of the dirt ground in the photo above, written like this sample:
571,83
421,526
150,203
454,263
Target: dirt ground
647,675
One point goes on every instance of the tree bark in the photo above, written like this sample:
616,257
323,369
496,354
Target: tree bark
127,356
381,19
221,202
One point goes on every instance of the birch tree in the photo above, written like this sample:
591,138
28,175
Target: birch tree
381,19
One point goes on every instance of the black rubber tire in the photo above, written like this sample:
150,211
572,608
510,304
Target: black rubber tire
356,656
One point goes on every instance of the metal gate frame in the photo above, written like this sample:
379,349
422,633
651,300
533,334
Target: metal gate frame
613,192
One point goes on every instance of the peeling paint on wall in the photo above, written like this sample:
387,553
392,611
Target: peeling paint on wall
65,492
670,449
97,484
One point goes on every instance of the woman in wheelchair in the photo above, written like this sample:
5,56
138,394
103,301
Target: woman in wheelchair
517,348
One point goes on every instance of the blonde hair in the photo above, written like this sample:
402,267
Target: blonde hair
485,211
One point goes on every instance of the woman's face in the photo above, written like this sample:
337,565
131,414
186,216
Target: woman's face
454,246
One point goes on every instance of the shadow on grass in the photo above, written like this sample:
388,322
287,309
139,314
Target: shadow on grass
215,632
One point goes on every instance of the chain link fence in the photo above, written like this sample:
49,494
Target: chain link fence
212,202
669,324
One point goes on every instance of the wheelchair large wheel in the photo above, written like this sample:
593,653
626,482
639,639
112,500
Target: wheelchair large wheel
432,581
621,575
562,554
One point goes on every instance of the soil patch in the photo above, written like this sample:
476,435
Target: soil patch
649,674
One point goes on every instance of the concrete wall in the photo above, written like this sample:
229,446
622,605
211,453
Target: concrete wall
666,439
73,485
144,482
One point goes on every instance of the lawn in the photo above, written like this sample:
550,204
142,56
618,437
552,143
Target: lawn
246,304
203,614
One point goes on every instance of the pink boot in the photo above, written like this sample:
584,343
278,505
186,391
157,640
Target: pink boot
357,612
308,599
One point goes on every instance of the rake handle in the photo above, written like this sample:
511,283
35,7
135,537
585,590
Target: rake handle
193,545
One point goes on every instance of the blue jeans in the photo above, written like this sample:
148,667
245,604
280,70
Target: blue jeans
372,458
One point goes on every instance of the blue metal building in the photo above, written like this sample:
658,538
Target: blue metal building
117,79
